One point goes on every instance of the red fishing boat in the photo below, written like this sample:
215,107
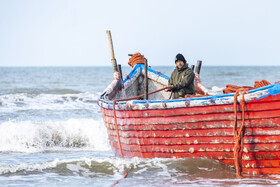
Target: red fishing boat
240,129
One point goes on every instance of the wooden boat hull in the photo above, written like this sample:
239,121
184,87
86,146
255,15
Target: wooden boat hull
200,127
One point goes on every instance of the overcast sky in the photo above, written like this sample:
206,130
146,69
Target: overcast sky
72,32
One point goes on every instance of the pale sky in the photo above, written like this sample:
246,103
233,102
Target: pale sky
72,32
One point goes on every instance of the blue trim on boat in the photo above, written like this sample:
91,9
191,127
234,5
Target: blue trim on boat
141,66
273,89
132,73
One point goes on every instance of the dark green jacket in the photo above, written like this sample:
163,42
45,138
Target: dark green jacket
183,81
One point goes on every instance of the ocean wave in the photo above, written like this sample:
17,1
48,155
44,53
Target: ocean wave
116,167
97,166
24,101
141,172
38,91
28,136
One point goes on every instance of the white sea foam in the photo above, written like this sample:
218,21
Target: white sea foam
140,169
10,168
28,136
74,165
24,101
217,90
93,166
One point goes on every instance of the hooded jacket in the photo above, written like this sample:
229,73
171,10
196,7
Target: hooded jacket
183,81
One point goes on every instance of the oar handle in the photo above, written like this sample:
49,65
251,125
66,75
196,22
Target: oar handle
113,60
111,44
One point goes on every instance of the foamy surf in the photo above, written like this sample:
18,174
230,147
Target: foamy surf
116,167
25,101
99,166
28,136
141,172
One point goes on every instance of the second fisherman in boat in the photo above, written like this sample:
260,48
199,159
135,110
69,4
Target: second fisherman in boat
181,81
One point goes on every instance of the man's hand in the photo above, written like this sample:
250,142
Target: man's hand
169,88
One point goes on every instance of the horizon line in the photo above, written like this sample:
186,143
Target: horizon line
129,66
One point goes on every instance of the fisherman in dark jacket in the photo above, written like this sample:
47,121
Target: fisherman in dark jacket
181,81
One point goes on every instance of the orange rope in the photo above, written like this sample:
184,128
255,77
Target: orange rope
137,58
116,125
191,96
262,83
125,175
233,88
239,133
171,94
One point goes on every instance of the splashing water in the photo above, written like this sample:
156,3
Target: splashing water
28,136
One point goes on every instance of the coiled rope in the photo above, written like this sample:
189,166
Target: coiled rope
136,58
116,124
258,84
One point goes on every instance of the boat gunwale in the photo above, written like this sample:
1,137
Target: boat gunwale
228,96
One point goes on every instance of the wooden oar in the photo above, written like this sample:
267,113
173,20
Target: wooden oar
113,60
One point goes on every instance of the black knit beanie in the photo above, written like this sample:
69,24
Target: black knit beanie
179,56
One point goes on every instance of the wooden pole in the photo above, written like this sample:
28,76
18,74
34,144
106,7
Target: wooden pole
198,66
120,71
113,60
192,67
146,81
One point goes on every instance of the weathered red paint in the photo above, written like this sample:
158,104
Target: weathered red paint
195,140
219,155
269,122
198,147
254,106
205,131
196,133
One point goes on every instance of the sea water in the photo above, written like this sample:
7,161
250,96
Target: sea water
52,132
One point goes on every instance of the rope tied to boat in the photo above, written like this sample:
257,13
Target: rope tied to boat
119,141
239,133
125,175
116,124
136,58
127,99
